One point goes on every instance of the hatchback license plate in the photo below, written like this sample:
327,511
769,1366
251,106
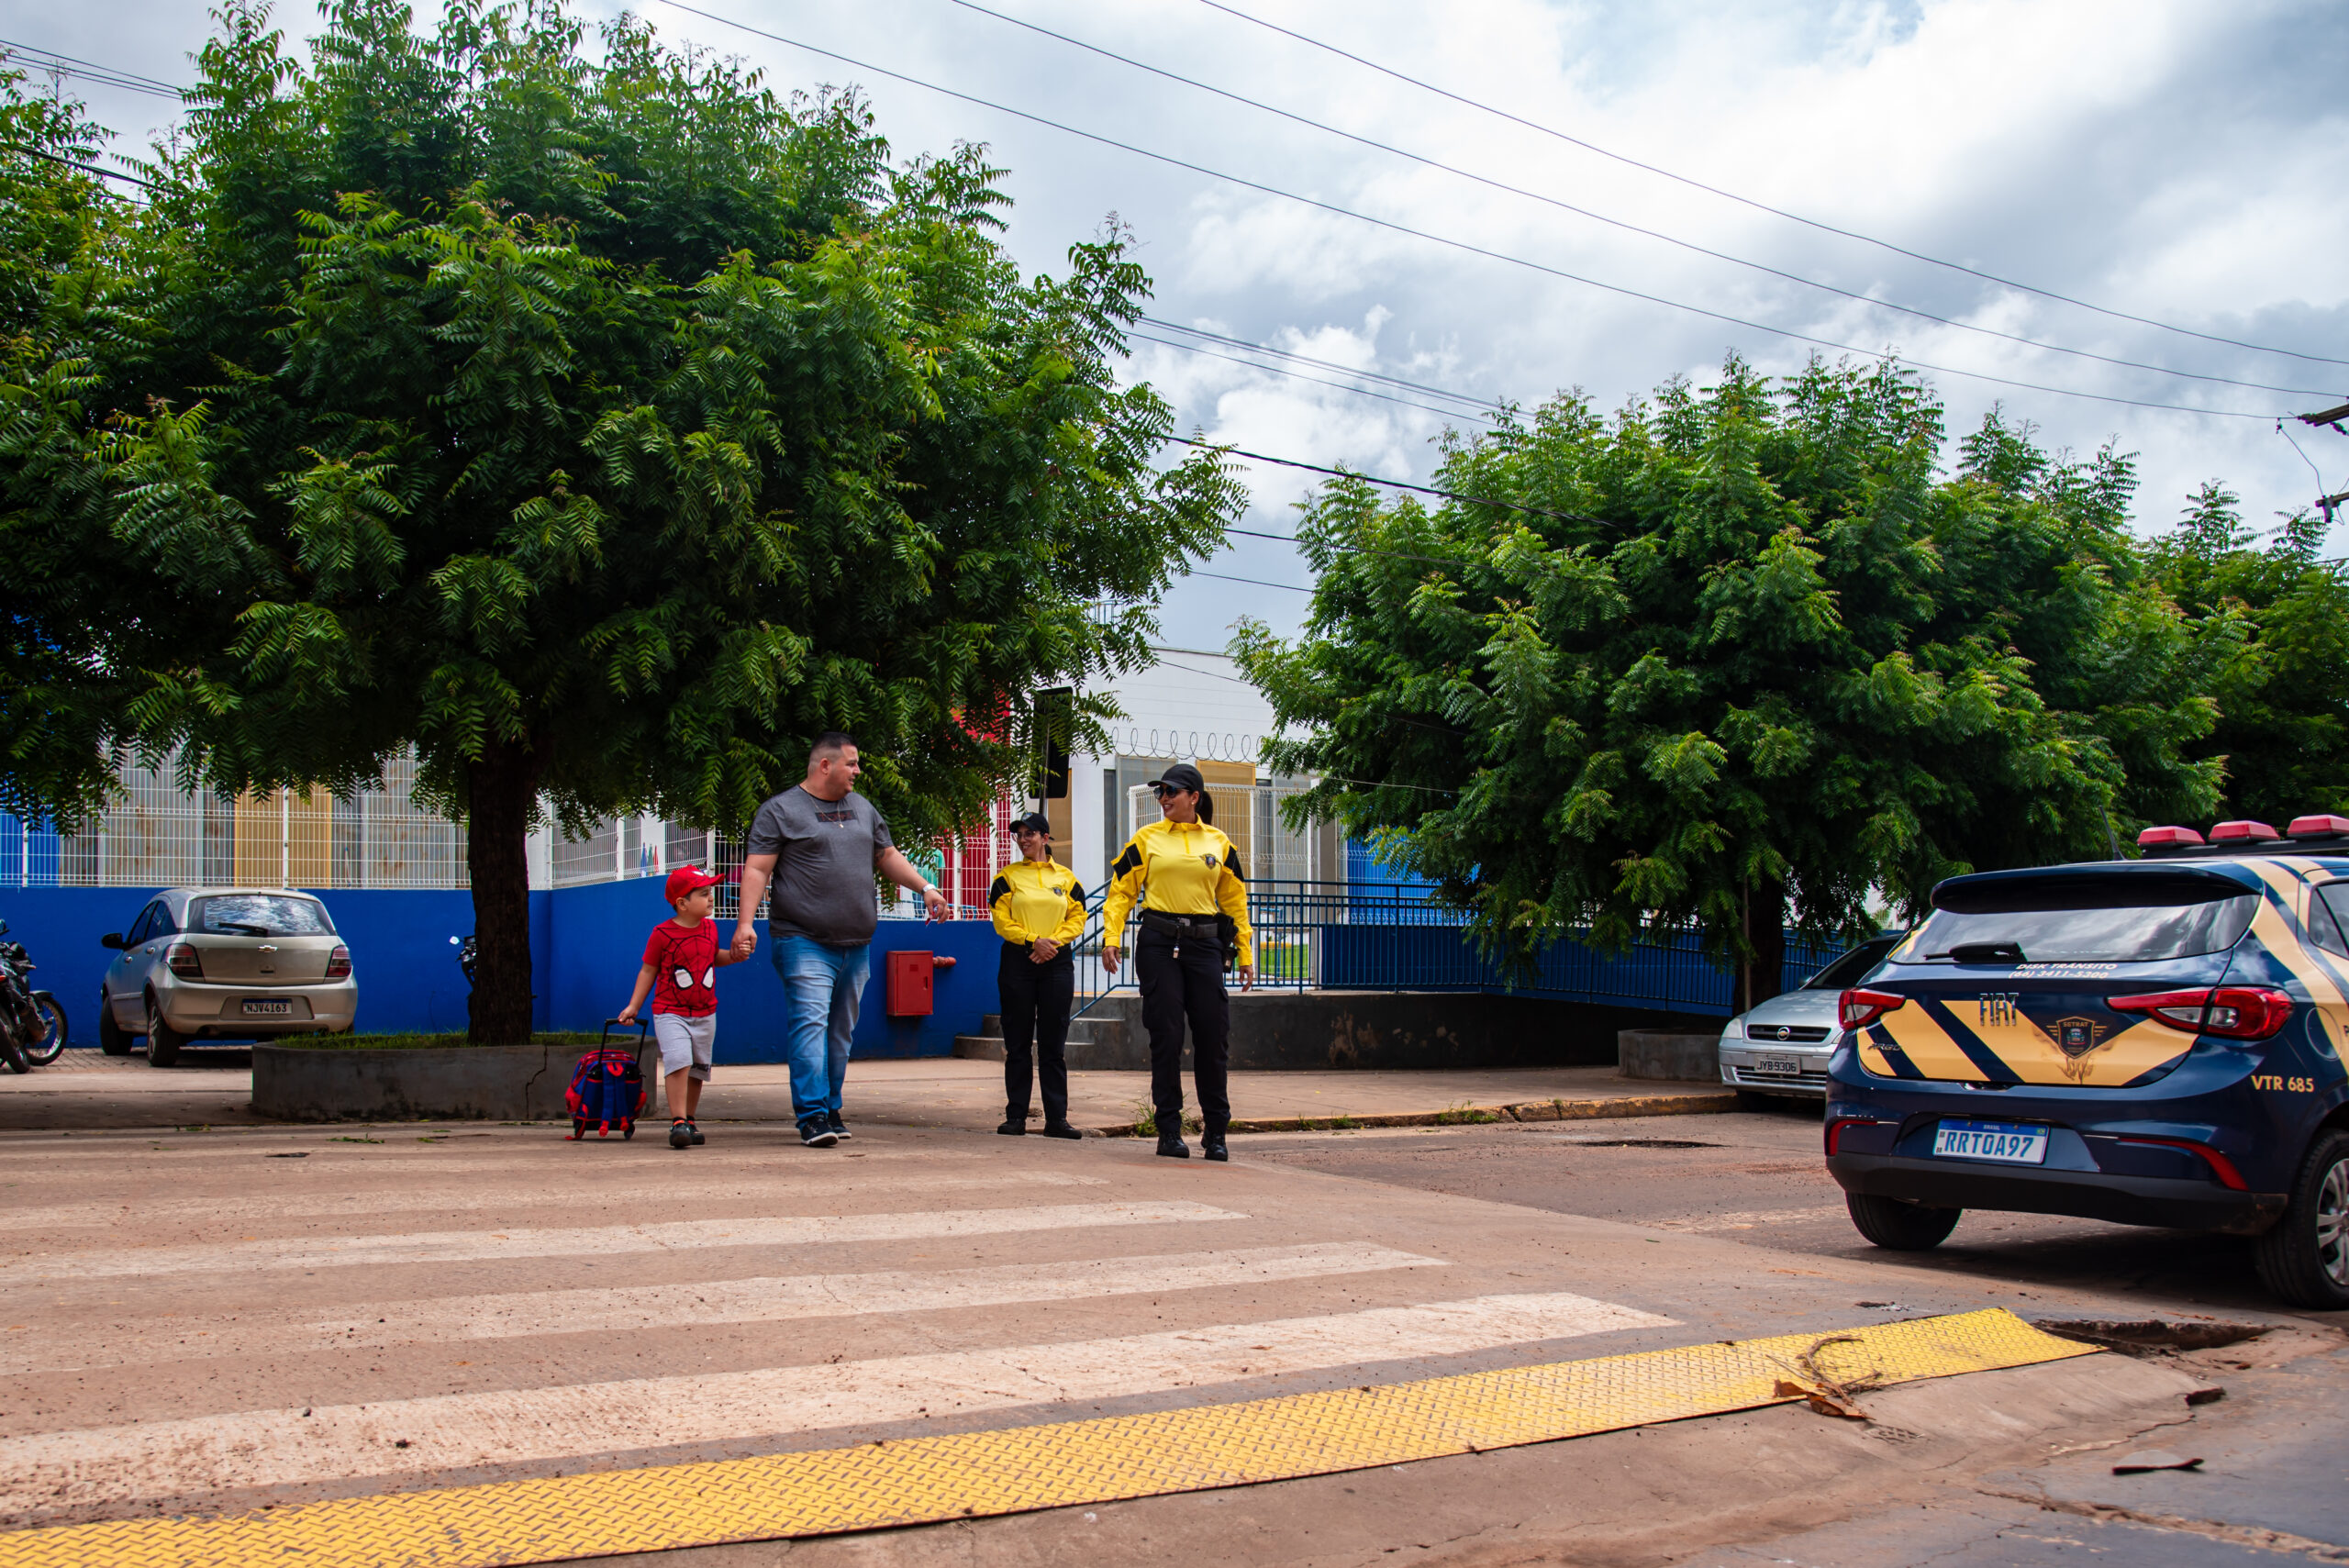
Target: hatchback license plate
2009,1142
1792,1066
277,1009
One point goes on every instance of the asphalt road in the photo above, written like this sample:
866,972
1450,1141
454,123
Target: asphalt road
1756,1178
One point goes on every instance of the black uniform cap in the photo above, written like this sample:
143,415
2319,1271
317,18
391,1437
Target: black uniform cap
1181,775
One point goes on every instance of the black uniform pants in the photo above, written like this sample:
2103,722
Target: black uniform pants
1182,981
1036,998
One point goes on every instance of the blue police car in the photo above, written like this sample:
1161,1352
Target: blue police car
2156,1041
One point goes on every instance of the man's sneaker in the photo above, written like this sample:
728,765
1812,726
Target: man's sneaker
840,1128
1014,1127
681,1134
698,1139
1061,1129
814,1134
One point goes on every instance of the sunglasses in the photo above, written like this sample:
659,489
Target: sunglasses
1163,790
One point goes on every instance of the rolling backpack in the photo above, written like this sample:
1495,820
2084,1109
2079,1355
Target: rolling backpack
608,1087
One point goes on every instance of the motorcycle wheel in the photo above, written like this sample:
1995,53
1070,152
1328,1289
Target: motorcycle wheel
12,1054
51,1044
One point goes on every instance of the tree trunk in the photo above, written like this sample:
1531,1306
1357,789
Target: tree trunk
501,788
1765,935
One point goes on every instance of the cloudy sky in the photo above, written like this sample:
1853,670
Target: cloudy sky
2176,161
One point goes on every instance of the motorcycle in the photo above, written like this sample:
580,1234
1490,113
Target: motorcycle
32,1026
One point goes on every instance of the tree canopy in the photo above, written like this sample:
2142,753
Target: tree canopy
593,421
1743,656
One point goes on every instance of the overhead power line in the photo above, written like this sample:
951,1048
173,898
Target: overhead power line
1300,375
1495,405
1748,201
1624,225
89,70
1371,479
1881,356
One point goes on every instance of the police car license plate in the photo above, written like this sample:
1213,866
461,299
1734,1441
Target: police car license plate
1789,1064
268,1009
2009,1143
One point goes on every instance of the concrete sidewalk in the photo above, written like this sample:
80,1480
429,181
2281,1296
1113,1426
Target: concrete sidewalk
215,1088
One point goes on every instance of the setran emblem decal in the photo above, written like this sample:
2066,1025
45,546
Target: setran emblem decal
2076,1037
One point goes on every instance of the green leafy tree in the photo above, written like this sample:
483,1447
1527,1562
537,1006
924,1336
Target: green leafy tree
2274,624
1740,657
606,430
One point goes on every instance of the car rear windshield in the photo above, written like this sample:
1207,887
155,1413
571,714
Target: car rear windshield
260,915
1848,970
2083,919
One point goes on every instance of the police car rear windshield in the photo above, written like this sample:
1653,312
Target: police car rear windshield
2082,919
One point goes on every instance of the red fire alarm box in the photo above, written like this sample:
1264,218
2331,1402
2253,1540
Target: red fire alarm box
910,985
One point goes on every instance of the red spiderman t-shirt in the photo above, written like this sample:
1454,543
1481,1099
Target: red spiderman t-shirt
684,968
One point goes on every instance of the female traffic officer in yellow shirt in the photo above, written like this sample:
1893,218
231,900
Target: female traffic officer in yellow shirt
1038,912
1186,874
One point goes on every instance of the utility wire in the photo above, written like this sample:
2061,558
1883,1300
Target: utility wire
67,65
1390,225
1252,582
1482,402
1626,227
1748,201
1390,483
76,163
1300,375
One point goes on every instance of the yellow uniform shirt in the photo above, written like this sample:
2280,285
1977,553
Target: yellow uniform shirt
1035,901
1178,868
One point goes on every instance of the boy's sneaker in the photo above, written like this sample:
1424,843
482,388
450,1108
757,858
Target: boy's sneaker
698,1139
815,1134
840,1128
681,1134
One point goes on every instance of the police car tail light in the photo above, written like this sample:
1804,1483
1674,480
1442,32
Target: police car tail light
2236,1012
1858,1008
339,963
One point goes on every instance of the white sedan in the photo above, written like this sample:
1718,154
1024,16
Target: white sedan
1781,1046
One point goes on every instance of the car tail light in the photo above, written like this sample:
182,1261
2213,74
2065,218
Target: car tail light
1857,1009
339,963
2160,838
2220,1166
2242,832
1835,1128
2235,1012
183,960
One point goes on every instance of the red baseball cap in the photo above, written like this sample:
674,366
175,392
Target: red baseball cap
690,879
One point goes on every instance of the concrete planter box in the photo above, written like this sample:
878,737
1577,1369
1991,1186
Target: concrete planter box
1679,1057
487,1082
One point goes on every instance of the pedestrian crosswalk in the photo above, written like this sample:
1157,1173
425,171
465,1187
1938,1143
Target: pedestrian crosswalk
262,1329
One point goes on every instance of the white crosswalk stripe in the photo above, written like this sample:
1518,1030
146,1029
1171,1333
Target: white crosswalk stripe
405,1437
468,1246
630,1308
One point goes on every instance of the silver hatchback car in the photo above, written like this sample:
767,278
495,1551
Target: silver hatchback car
204,964
1781,1046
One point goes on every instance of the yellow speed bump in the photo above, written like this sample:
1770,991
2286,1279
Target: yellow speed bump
920,1480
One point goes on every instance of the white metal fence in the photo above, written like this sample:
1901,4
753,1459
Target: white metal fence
1250,816
154,834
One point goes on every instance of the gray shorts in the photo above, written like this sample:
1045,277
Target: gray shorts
685,1042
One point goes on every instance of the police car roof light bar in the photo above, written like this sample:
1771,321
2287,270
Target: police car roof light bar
2242,831
2318,827
2163,838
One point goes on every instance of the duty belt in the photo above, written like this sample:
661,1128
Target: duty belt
1181,927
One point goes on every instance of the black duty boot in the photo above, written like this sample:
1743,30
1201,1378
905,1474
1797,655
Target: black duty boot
1061,1129
1171,1144
1211,1142
1015,1122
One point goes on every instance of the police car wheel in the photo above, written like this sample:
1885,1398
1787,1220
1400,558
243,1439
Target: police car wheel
1902,1227
2305,1258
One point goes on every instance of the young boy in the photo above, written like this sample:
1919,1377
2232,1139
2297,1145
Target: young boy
682,959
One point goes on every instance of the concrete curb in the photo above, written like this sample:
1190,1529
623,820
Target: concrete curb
1690,1103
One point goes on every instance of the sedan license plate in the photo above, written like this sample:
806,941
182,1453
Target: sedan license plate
2009,1142
268,1009
1790,1065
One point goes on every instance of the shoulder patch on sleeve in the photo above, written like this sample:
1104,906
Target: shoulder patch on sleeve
1231,863
1001,885
1128,861
1076,890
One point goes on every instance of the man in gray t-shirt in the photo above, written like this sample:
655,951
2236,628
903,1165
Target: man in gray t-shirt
819,845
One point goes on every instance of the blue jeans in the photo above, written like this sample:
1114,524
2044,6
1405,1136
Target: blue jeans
821,988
